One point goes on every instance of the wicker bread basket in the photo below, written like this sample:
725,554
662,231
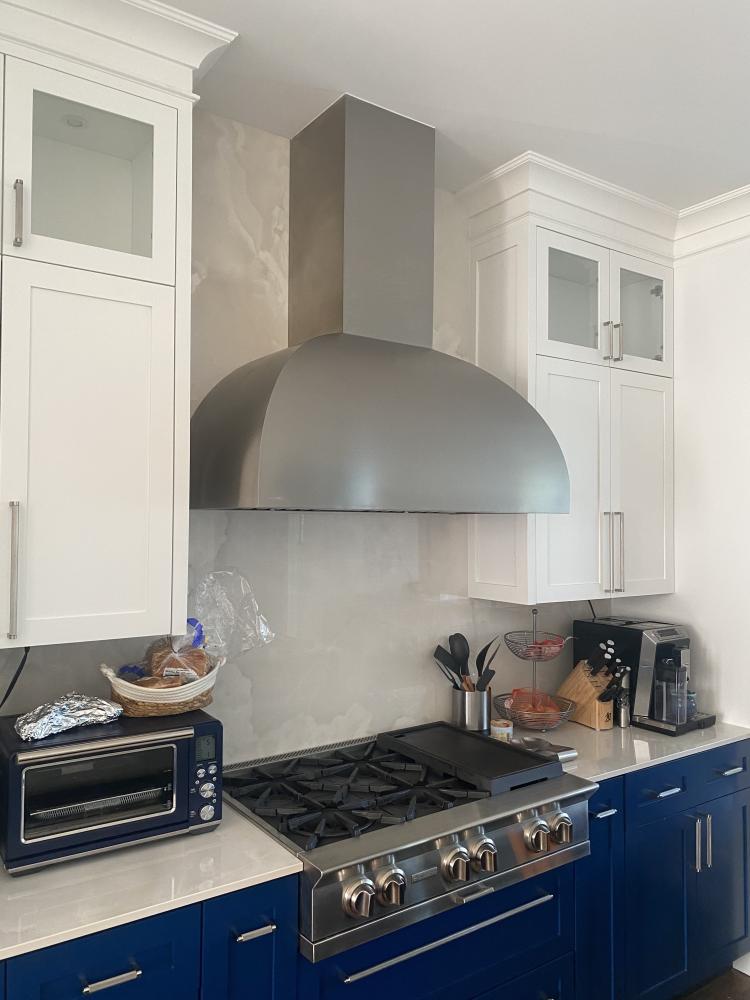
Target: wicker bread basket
140,702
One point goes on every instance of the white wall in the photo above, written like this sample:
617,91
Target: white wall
358,601
712,438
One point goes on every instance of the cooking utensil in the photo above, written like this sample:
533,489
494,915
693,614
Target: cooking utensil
460,651
484,680
442,655
482,655
448,674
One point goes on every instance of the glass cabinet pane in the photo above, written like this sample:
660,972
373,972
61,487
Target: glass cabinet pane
573,299
642,315
92,176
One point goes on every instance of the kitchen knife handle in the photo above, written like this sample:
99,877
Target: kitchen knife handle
15,510
18,192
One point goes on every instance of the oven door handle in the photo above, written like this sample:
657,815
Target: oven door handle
355,977
97,746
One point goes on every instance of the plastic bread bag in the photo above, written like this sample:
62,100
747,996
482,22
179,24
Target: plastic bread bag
180,658
68,712
225,603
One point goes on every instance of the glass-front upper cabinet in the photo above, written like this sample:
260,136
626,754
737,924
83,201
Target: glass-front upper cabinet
572,299
641,306
89,175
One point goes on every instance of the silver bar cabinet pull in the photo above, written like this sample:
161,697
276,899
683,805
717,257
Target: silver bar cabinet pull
698,827
610,324
15,510
18,191
709,841
365,973
252,935
621,341
604,814
732,770
607,522
621,515
105,984
675,790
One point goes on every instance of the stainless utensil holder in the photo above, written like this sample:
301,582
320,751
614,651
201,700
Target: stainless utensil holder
471,710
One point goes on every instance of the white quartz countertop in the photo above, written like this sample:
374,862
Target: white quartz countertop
618,751
81,897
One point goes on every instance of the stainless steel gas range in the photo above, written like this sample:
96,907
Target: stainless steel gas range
396,829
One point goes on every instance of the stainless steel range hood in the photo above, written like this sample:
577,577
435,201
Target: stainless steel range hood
359,413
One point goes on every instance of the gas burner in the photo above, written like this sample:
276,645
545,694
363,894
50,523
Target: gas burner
312,829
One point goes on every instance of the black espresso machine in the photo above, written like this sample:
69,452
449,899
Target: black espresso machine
658,655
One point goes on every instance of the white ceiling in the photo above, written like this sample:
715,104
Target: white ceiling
649,94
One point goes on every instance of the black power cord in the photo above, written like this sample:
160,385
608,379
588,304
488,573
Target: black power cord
16,675
593,618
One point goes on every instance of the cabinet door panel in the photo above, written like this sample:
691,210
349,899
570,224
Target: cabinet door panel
573,554
572,299
86,443
600,893
641,306
98,170
721,927
660,898
642,483
554,980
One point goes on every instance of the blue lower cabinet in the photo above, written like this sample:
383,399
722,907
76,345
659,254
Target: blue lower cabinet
148,960
2,981
461,954
250,943
600,888
552,982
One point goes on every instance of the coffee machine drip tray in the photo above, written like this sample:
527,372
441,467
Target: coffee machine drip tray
701,720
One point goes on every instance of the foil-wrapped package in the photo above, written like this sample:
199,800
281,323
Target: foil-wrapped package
68,712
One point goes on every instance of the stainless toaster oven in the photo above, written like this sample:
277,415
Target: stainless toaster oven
98,788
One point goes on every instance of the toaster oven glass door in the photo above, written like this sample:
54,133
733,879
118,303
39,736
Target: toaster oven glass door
64,797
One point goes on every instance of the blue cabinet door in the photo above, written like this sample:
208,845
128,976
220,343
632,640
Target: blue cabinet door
250,943
720,930
151,959
556,981
2,981
600,894
660,903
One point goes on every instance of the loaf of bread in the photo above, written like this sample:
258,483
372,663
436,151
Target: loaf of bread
188,664
159,682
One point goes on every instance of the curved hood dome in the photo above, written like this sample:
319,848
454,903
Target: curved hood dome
353,423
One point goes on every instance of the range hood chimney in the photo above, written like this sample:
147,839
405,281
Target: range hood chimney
359,413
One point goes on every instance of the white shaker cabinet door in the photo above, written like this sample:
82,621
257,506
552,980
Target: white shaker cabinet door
89,175
642,483
642,315
573,550
86,453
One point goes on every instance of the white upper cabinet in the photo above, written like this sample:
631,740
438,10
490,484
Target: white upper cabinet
642,484
572,299
573,551
86,455
89,175
642,317
601,306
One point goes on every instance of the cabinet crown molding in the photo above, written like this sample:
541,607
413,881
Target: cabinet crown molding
146,41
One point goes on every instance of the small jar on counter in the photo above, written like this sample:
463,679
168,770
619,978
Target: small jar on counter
501,729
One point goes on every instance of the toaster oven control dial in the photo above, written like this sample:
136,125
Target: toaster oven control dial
207,790
536,834
358,898
561,826
206,813
455,864
483,855
391,887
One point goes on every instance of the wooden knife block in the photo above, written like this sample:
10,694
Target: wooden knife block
584,689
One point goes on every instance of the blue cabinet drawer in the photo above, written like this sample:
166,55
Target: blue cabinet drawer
459,954
724,770
148,960
661,791
251,937
552,982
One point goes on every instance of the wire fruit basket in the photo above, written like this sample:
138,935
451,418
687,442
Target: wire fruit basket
541,721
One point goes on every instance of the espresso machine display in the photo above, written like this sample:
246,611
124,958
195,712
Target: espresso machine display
659,657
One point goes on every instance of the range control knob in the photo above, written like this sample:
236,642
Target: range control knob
391,887
206,813
483,855
536,834
358,898
455,864
561,827
207,790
